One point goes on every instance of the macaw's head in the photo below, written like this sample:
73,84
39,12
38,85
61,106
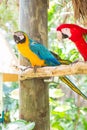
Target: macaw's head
71,31
20,37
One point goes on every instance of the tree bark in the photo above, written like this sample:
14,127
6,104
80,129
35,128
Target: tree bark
34,97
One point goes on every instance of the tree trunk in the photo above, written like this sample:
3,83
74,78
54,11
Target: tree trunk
34,98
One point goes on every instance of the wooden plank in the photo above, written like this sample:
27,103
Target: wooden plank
10,77
62,70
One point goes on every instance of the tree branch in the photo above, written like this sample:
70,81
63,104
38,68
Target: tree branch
43,72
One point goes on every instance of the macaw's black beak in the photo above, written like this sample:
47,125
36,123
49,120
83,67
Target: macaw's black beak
19,37
64,36
61,35
16,38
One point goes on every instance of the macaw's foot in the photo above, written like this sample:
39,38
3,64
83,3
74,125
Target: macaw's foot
35,68
25,68
22,68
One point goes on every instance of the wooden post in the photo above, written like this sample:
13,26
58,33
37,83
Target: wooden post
34,97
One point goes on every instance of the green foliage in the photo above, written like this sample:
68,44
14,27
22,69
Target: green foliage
19,125
66,115
8,19
10,103
64,112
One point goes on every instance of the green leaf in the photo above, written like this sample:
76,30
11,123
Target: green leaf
30,126
55,93
84,121
57,126
62,108
20,125
19,122
0,127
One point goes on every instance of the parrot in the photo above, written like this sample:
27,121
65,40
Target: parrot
77,34
40,56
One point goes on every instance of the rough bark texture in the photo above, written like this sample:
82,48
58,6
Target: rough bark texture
34,19
80,8
80,11
34,103
34,99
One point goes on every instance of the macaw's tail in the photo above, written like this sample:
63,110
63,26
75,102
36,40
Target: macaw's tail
62,61
72,86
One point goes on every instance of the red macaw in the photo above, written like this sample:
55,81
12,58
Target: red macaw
76,34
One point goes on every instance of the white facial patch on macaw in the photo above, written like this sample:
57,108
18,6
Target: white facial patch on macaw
66,31
59,35
21,37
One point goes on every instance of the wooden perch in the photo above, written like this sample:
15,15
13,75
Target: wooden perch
75,68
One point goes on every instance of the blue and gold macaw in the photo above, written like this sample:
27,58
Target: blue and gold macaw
39,55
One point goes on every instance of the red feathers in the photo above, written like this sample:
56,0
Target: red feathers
77,36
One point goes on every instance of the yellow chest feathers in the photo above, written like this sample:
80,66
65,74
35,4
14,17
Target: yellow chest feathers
32,57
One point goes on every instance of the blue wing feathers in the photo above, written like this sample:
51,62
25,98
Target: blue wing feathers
43,53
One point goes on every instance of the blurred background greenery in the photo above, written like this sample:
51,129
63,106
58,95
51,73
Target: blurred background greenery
67,109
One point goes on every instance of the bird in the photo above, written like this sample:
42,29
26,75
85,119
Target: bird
77,34
40,56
